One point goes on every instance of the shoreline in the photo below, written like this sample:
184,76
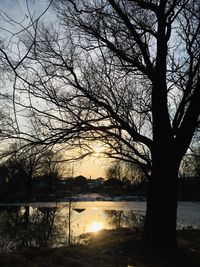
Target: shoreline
82,197
109,248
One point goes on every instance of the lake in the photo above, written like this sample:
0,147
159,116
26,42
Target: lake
54,224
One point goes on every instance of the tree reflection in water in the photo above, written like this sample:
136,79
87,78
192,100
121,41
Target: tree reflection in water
127,219
26,227
22,227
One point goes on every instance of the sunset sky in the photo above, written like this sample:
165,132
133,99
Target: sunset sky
91,167
18,10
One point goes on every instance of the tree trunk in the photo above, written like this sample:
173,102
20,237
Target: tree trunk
160,222
29,188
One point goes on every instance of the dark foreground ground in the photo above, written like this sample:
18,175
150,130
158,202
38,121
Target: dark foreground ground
110,248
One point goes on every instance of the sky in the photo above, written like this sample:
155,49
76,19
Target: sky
91,168
18,11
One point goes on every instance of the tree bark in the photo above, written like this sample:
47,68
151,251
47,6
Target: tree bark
160,222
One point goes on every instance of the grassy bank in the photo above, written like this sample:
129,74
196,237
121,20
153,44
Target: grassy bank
109,248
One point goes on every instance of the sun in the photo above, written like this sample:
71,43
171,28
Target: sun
98,149
94,227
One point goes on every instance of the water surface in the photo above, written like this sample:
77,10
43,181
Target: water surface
48,224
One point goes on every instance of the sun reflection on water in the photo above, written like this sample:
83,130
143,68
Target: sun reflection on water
94,227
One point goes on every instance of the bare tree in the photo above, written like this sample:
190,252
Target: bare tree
116,171
190,165
125,73
23,166
126,171
12,54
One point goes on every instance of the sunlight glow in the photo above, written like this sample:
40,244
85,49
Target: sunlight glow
98,149
95,227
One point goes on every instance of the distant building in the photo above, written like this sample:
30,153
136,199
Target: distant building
113,183
94,183
80,183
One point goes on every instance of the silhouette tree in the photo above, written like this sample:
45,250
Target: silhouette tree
125,171
116,170
23,166
196,160
125,73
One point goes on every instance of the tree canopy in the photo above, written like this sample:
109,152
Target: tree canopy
125,73
92,75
